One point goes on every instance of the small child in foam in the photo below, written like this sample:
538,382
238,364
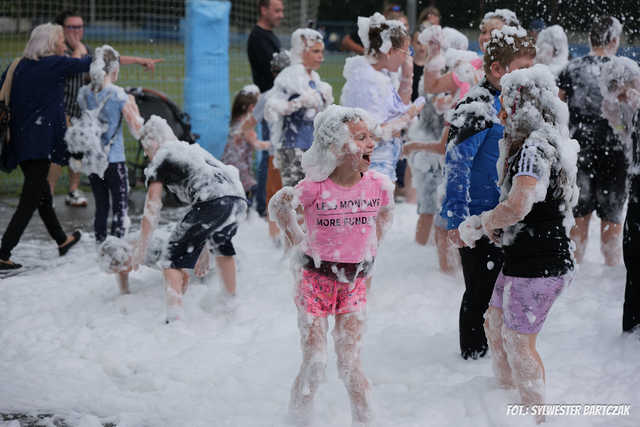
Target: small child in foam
96,143
346,209
242,139
532,222
216,204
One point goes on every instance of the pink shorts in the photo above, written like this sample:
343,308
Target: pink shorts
320,295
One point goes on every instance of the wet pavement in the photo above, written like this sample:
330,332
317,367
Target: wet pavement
71,218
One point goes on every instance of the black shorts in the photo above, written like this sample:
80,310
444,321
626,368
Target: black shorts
602,173
214,221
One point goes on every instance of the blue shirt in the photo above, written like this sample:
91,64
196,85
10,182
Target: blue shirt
470,162
37,106
111,114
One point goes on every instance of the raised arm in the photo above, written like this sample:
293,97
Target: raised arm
149,64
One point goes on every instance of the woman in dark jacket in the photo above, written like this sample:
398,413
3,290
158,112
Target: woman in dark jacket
37,129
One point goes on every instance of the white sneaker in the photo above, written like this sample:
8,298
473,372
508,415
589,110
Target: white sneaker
76,199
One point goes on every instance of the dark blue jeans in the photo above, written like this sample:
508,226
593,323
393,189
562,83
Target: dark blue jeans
261,175
115,183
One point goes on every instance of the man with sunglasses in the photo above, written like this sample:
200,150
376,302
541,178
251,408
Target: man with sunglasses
73,29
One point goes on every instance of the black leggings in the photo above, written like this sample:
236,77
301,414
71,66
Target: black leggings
480,266
631,247
36,194
115,182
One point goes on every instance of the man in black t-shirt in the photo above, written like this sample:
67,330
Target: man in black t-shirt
601,162
261,46
263,43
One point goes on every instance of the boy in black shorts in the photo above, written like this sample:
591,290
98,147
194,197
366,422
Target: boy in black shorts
602,165
216,198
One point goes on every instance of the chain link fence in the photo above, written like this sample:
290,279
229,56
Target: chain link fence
147,28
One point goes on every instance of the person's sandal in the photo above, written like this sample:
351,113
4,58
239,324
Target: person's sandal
9,265
62,250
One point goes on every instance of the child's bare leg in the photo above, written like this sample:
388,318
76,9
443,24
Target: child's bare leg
227,267
447,255
493,330
54,174
368,281
611,241
274,230
423,228
123,282
526,365
409,189
174,282
313,339
74,180
202,265
347,335
580,235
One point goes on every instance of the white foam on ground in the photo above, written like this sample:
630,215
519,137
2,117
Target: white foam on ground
71,345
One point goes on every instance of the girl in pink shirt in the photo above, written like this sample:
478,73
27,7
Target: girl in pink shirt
346,210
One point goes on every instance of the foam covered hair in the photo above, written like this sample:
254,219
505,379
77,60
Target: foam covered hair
155,132
301,40
330,134
617,74
376,20
552,47
97,70
530,98
505,15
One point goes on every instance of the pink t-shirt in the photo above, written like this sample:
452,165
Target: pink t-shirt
341,221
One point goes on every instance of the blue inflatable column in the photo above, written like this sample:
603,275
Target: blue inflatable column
206,83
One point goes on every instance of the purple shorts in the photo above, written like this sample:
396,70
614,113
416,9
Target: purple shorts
526,301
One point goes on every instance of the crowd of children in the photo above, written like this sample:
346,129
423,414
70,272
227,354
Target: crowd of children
500,163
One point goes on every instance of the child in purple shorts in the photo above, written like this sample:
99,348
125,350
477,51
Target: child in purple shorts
532,222
346,209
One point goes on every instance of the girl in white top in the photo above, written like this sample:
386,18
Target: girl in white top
369,86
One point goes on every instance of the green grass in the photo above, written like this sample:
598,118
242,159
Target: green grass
168,78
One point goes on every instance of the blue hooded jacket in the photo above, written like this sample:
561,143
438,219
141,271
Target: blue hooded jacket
472,153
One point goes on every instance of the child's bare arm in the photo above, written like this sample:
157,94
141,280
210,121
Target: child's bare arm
282,210
521,198
132,116
150,218
251,137
383,222
433,147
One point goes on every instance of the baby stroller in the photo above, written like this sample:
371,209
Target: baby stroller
150,102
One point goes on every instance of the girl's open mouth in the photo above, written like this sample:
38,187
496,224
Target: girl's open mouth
366,157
